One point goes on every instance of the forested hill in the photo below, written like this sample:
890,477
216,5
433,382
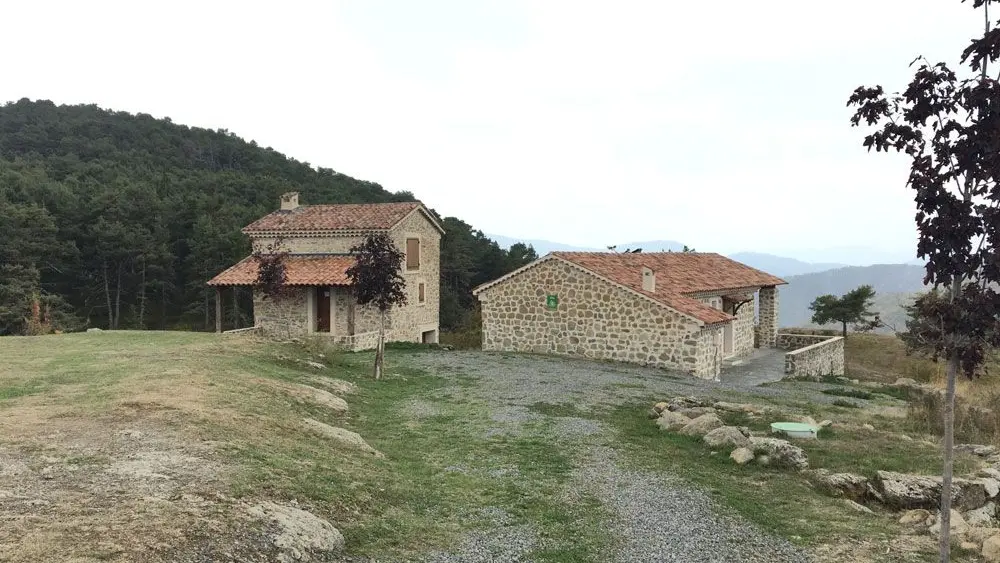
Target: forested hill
117,220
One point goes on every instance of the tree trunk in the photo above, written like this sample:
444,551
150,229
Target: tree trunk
107,295
844,331
142,297
118,297
949,439
380,348
207,320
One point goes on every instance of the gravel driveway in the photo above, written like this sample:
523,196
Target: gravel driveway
653,517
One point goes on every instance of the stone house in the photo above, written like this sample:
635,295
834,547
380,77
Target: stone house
679,310
319,299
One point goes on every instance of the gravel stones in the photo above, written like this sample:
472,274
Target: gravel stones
658,519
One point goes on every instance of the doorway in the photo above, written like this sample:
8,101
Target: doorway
322,309
727,340
429,337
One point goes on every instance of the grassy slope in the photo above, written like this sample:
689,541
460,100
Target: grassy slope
233,394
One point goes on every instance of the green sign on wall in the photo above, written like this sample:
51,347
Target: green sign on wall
552,301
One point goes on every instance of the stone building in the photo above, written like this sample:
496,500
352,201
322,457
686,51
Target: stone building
319,301
680,310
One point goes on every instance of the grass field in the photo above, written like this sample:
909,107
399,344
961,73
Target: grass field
120,446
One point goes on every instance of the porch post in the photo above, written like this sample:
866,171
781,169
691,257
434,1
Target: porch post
768,315
218,309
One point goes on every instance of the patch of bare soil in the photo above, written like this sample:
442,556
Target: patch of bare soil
127,485
898,549
306,394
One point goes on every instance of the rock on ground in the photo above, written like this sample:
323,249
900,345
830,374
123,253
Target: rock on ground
780,453
741,456
957,525
672,421
901,490
847,485
991,549
916,517
984,517
300,535
726,436
342,435
702,425
324,398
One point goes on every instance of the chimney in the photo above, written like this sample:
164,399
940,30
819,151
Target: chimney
648,280
289,201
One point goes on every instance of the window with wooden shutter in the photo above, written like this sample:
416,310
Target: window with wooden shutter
420,293
412,254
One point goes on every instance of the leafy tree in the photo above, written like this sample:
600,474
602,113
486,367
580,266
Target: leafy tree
376,280
949,127
852,307
272,273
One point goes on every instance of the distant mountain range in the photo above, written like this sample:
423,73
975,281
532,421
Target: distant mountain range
895,286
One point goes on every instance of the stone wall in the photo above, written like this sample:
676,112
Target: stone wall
287,317
743,326
314,244
812,356
593,319
767,304
412,320
790,341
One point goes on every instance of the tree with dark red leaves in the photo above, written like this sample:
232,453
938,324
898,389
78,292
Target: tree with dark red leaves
376,280
948,124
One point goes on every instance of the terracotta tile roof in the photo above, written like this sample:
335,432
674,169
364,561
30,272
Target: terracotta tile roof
678,275
339,217
301,269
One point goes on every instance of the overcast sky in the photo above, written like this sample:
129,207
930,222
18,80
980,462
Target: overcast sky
719,124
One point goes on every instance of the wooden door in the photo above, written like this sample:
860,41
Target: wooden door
322,309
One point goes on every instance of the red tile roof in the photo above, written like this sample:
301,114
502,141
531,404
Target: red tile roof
678,275
339,217
300,269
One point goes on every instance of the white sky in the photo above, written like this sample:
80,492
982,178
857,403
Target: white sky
719,124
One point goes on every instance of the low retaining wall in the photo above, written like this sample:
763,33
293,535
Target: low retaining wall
812,356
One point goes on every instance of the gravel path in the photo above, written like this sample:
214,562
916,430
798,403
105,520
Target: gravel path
653,518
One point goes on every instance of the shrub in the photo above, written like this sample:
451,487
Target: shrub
979,424
845,392
846,404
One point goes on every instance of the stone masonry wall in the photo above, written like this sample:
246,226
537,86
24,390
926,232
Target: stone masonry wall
287,317
789,341
822,358
767,301
743,326
314,244
593,319
413,319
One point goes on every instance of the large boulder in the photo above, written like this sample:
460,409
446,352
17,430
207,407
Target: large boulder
672,421
780,453
915,518
902,491
976,449
300,535
846,485
723,436
702,425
